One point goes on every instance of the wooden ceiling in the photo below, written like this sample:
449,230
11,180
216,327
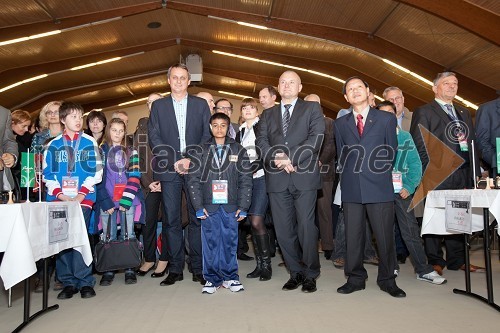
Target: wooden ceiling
340,38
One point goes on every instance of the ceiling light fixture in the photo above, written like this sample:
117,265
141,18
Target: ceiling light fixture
256,26
55,32
23,82
138,100
67,70
23,39
233,94
95,63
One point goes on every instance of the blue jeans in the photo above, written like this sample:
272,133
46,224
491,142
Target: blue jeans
219,241
71,270
410,232
129,215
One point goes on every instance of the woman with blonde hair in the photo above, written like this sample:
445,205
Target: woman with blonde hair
50,127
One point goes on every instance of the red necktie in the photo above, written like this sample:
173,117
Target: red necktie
360,125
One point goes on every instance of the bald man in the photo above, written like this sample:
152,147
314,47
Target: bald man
207,97
290,136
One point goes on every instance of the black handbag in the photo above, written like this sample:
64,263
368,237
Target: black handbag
117,254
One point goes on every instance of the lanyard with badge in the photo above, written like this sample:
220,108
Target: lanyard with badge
119,156
461,133
220,186
70,184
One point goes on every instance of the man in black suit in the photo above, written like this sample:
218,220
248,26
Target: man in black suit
452,125
179,124
367,143
290,137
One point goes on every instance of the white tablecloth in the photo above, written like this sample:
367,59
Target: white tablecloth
434,213
24,238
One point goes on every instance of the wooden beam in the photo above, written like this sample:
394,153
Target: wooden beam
377,46
61,23
464,14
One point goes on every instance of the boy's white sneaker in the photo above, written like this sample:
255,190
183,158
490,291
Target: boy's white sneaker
209,288
233,285
432,277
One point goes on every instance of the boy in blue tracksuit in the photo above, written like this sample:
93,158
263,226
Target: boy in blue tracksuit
71,168
220,186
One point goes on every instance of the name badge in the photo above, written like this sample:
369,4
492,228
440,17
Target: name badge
219,192
118,192
397,181
233,158
70,186
462,141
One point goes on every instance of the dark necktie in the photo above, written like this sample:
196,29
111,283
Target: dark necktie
286,118
449,109
360,125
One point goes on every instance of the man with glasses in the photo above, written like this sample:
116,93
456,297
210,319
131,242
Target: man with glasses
395,95
226,107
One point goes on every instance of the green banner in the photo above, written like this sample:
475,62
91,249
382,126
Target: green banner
27,170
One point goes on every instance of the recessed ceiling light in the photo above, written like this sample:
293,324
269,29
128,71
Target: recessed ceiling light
154,25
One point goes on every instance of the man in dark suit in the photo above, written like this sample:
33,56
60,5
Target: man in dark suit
327,170
452,125
178,124
367,143
290,137
487,132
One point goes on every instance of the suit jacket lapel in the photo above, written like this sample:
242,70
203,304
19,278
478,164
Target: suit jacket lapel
371,119
295,114
189,114
351,124
440,112
278,120
170,115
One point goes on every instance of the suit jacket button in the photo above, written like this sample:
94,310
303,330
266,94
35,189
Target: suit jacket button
286,143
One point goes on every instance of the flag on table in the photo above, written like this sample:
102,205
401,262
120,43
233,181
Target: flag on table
27,169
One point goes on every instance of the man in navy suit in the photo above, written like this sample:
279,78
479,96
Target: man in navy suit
178,125
487,132
366,143
290,136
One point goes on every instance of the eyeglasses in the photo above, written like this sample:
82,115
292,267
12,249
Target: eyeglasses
52,113
396,99
224,108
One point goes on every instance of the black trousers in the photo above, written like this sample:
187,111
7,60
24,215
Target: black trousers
381,218
294,221
455,250
152,205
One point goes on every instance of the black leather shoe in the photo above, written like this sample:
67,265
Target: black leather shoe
328,254
171,279
106,280
142,273
244,257
130,278
293,282
349,288
161,274
199,278
309,286
394,291
67,292
87,292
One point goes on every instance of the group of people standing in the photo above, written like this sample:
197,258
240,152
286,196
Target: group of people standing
278,160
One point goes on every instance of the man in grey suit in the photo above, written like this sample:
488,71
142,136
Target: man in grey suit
8,145
395,95
290,137
178,125
367,143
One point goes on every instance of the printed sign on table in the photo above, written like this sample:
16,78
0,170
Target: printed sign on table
458,214
58,223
